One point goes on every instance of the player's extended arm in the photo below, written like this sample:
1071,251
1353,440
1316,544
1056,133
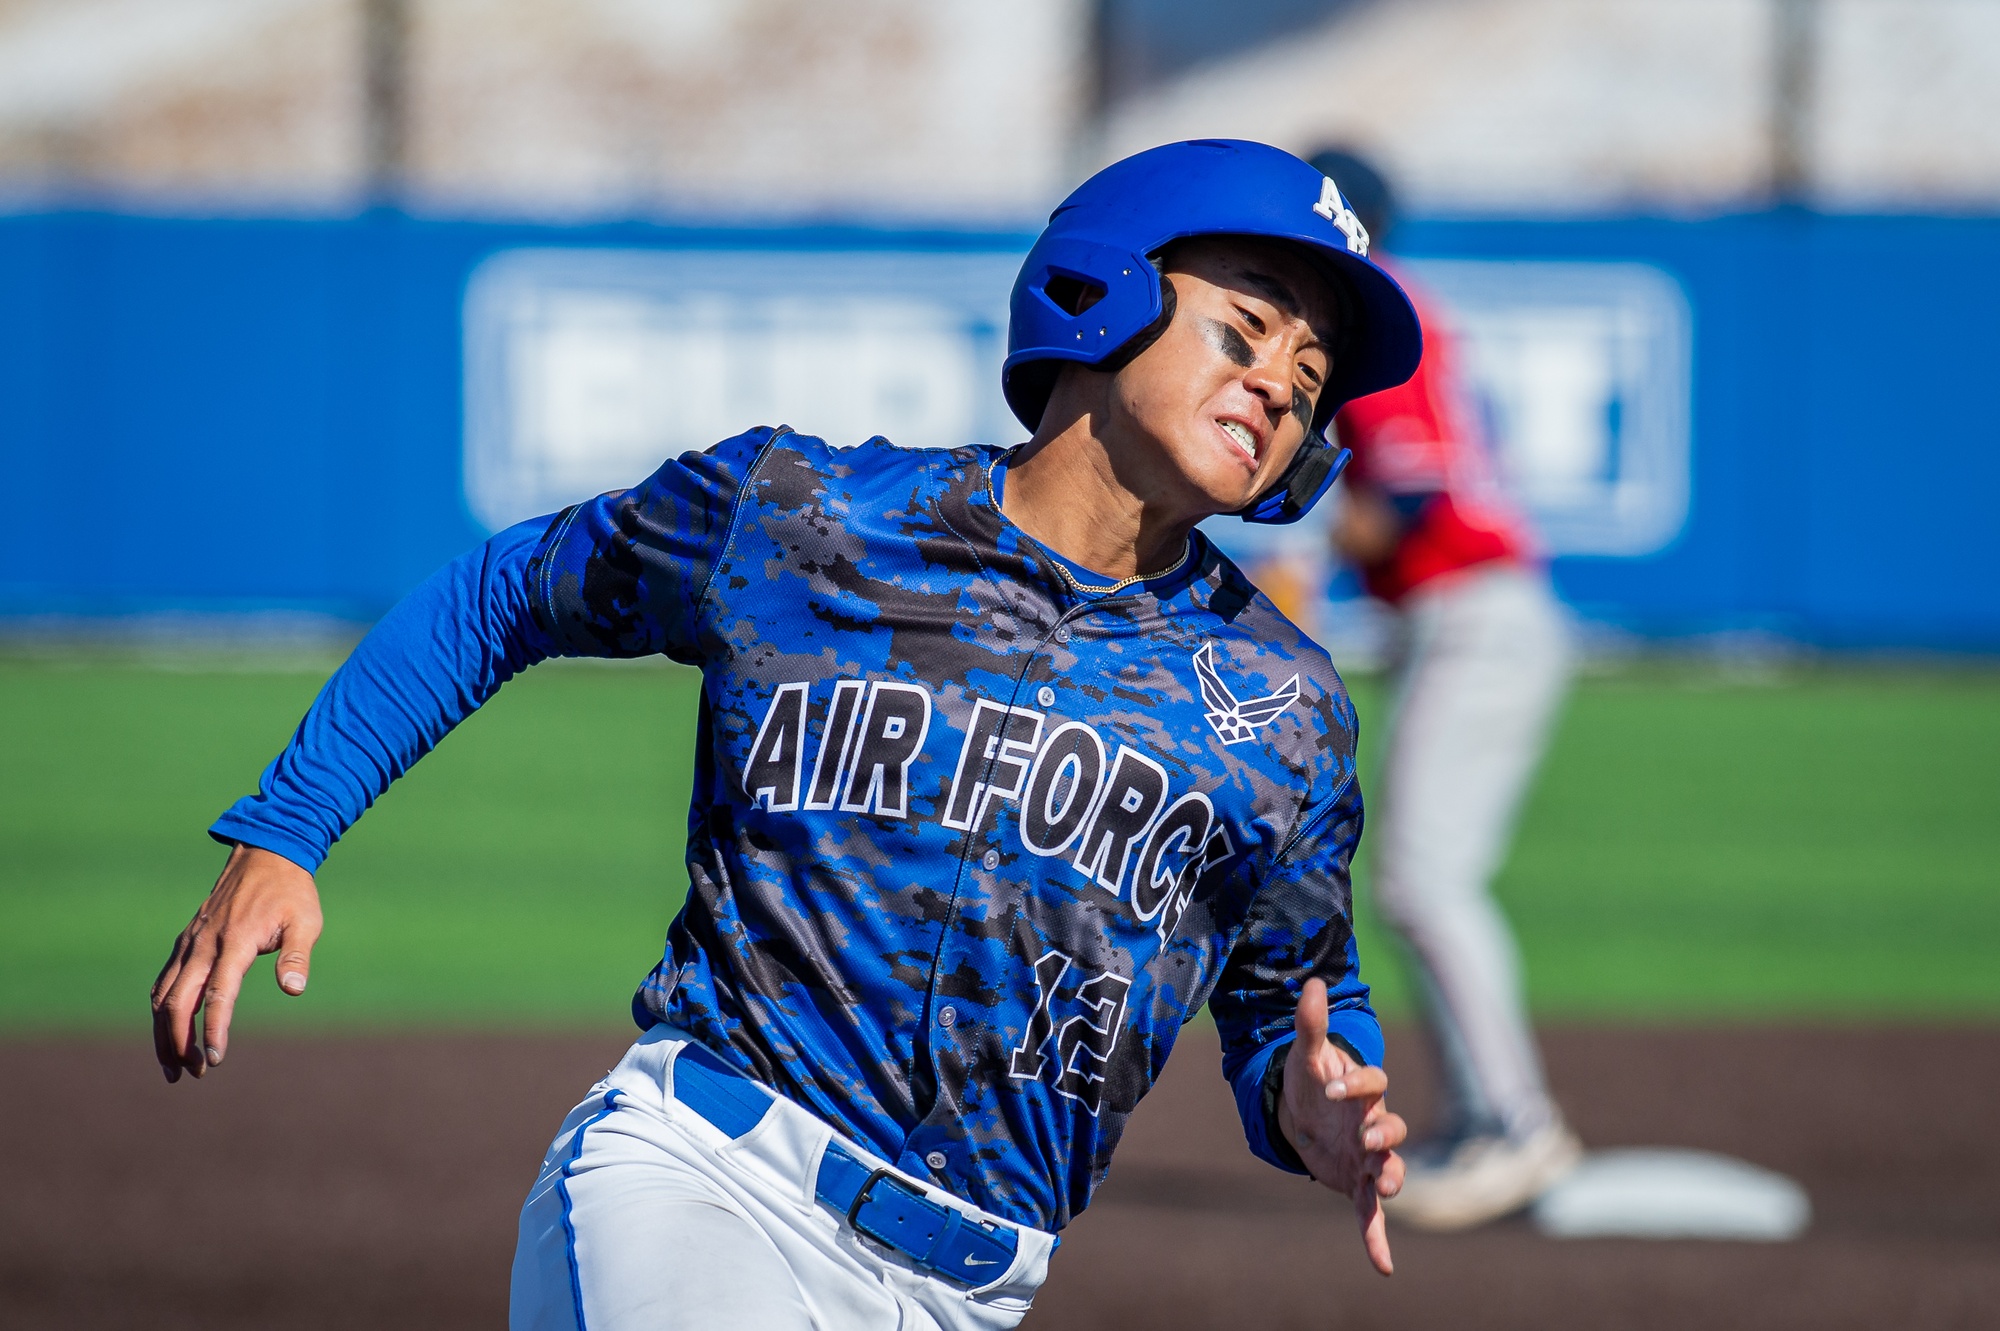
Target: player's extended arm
1300,1045
624,574
430,662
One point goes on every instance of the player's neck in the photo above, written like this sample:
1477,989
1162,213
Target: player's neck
1063,491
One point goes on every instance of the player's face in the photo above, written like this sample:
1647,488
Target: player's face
1225,397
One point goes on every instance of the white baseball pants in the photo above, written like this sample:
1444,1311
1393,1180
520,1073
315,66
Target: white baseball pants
1483,663
645,1215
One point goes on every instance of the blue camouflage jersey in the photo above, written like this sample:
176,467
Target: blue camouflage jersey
972,835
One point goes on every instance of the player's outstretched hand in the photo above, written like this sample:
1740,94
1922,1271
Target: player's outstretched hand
261,903
1333,1115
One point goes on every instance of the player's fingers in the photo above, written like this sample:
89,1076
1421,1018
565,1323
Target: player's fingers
1374,1227
1361,1083
1388,1172
218,998
1382,1130
176,956
165,1047
1309,1018
174,1014
170,1027
295,947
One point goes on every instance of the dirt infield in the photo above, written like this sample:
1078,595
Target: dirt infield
349,1183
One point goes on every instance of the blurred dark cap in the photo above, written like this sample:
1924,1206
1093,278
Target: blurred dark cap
1366,190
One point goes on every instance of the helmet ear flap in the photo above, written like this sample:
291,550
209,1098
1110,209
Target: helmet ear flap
1146,336
1080,302
1063,288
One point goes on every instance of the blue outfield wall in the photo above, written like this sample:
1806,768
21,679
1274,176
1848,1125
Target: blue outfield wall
1845,446
215,416
220,416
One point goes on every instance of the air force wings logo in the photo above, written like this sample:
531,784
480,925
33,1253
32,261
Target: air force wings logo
1236,719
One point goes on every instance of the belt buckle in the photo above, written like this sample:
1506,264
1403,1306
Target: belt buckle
861,1198
923,1255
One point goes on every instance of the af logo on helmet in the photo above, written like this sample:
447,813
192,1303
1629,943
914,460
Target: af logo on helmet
1335,210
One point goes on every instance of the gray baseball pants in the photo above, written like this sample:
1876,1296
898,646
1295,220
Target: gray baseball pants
1483,663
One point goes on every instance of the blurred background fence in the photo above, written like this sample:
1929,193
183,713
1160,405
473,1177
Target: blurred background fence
1774,422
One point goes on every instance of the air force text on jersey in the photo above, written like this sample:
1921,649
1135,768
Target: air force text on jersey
1099,811
971,835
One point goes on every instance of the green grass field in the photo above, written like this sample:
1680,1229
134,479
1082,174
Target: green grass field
1820,844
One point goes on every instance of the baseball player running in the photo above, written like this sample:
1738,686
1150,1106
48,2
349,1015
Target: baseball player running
1002,773
1483,663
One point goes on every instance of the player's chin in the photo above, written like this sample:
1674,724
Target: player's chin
1222,481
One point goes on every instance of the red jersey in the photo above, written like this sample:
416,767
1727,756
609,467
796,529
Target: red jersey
1424,438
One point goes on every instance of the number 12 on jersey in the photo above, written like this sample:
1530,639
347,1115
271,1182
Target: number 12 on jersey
1083,1042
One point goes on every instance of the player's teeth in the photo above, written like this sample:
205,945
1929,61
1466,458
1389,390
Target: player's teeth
1241,434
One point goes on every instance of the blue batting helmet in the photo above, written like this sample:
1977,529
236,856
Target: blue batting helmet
1089,292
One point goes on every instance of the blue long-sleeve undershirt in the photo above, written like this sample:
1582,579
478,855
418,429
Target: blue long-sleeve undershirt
431,662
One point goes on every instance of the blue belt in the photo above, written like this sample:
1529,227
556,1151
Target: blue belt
877,1203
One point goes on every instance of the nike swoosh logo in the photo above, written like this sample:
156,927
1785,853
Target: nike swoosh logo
974,1261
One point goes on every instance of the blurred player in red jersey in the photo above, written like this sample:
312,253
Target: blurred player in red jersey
1481,664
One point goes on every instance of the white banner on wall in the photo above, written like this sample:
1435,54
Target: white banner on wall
1582,371
585,369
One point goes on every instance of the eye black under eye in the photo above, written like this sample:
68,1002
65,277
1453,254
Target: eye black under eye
1228,341
1302,408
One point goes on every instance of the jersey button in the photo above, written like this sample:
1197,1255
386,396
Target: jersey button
947,1016
1046,696
991,860
936,1159
1062,633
